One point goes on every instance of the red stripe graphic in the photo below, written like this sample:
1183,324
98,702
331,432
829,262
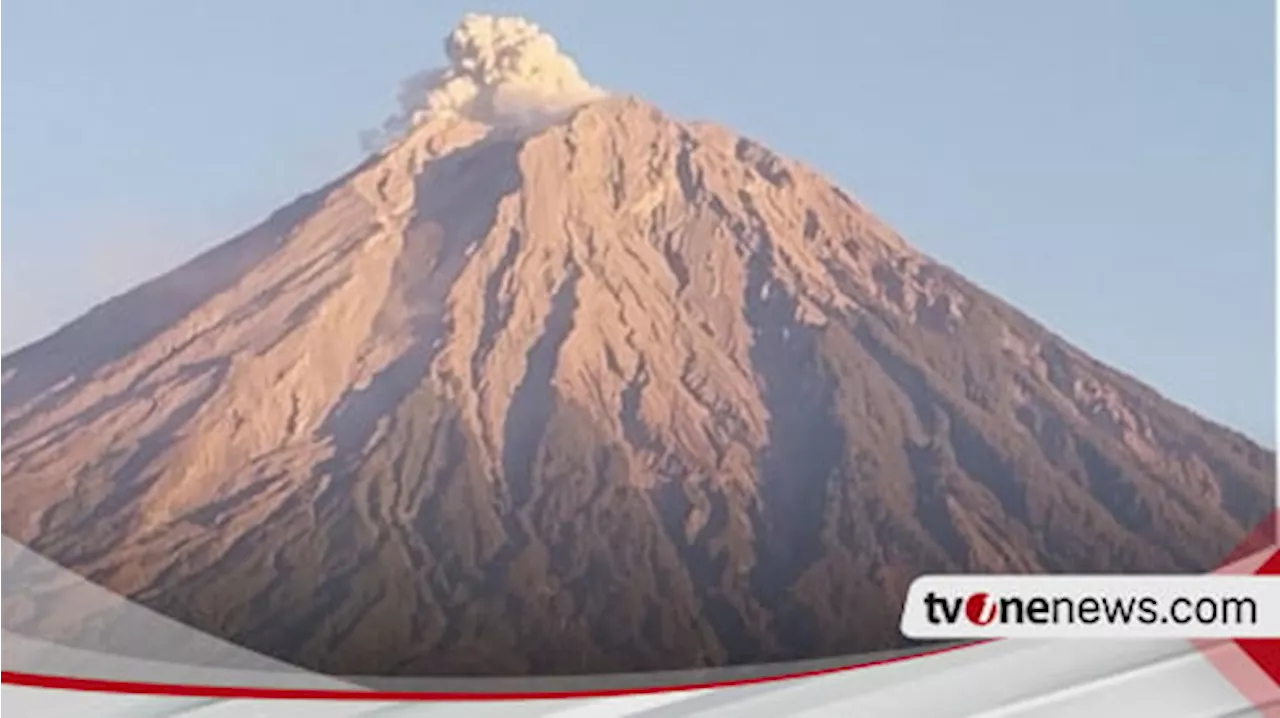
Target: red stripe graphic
95,685
1265,651
1253,667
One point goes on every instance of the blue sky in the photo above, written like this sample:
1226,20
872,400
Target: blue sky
1106,166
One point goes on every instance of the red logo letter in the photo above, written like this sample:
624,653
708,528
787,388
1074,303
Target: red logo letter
979,609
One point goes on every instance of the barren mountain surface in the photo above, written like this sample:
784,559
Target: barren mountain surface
618,393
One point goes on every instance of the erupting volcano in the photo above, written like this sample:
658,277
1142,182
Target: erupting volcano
556,383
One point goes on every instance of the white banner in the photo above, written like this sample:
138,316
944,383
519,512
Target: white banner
1132,606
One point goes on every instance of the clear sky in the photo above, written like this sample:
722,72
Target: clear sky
1105,165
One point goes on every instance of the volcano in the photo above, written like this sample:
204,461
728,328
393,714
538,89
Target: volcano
596,390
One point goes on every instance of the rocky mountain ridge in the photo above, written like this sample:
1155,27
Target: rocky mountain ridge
612,393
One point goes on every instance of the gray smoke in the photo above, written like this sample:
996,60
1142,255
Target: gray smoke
501,71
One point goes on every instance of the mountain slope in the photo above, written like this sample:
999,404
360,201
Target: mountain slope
620,393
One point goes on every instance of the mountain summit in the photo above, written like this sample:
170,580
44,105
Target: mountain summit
585,388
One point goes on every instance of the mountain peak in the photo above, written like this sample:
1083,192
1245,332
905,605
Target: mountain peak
594,375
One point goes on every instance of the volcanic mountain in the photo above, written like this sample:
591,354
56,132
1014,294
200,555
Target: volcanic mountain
604,391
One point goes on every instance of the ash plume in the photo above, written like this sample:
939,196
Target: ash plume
502,71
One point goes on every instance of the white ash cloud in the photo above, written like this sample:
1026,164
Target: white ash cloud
502,71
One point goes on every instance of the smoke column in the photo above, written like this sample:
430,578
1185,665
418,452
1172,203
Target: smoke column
501,71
